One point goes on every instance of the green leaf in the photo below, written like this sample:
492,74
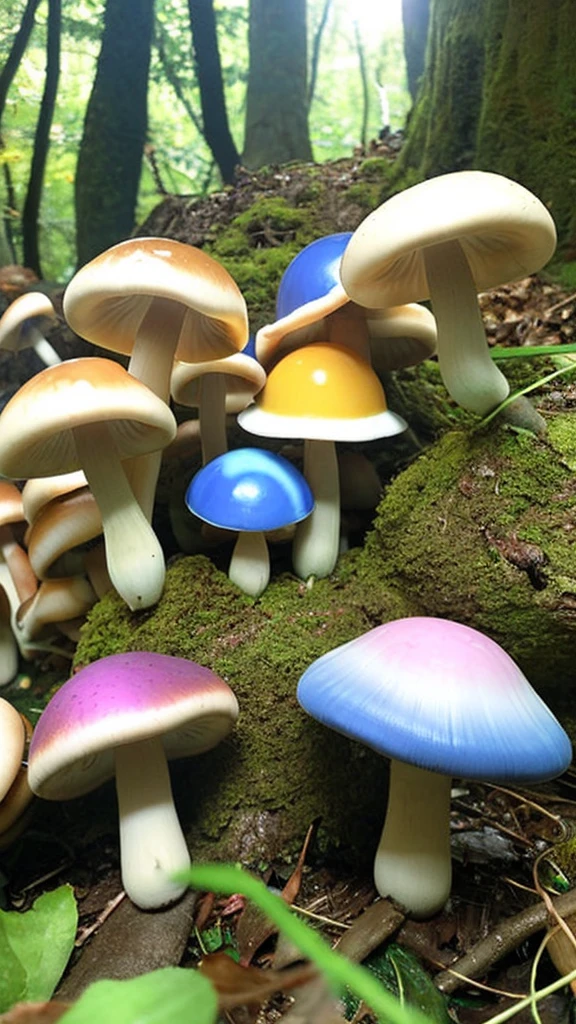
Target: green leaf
167,996
35,947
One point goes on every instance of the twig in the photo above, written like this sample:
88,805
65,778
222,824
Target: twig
558,305
85,933
506,937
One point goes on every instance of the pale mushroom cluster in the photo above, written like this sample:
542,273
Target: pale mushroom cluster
85,438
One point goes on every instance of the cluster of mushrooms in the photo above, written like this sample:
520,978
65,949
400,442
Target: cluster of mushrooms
87,436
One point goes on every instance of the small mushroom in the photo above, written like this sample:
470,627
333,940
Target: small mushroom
440,699
250,491
12,742
23,325
125,715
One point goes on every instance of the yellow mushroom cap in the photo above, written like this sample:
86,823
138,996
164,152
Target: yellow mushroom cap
322,391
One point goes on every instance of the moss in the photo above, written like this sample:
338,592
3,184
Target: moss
375,168
256,795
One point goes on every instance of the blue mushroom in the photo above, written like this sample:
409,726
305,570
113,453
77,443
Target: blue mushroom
440,699
250,491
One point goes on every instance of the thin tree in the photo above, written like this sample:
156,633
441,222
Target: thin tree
17,50
276,98
112,146
316,44
31,211
209,72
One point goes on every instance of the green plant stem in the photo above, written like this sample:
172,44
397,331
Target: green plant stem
525,391
531,351
534,997
340,972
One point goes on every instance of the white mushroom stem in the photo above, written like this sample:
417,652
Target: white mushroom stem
212,415
155,345
317,539
151,363
468,371
134,556
152,846
412,862
249,566
42,347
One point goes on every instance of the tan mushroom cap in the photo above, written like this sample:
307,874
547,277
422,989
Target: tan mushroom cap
16,320
505,233
400,336
11,506
39,491
108,298
55,601
12,741
58,537
37,425
242,377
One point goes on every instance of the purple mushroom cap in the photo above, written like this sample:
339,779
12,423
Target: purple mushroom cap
122,699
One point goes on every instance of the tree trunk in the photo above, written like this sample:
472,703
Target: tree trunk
19,44
499,94
31,211
415,18
276,102
209,72
110,157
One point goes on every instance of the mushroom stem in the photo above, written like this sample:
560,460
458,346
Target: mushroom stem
412,862
133,553
42,347
468,371
155,344
152,845
212,416
317,539
151,363
250,563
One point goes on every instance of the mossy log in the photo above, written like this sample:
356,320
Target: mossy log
480,528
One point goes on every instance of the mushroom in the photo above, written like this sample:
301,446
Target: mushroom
39,491
23,324
125,715
440,699
157,300
311,305
19,796
216,388
323,394
447,239
89,414
250,491
62,533
12,742
56,602
8,643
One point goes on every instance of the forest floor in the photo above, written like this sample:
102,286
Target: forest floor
511,848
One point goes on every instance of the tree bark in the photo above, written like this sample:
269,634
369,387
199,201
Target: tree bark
276,101
17,50
499,93
209,72
31,211
110,157
415,18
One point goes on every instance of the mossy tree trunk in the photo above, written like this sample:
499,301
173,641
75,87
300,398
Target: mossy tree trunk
499,93
110,157
276,98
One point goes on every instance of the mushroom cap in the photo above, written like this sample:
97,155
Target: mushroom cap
12,741
108,298
36,426
505,232
39,491
249,489
63,528
11,506
313,273
30,308
441,696
119,700
322,392
243,377
400,336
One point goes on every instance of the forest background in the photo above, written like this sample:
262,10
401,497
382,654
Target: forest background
355,47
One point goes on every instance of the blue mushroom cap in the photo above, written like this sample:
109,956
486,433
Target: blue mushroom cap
439,695
312,273
249,489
